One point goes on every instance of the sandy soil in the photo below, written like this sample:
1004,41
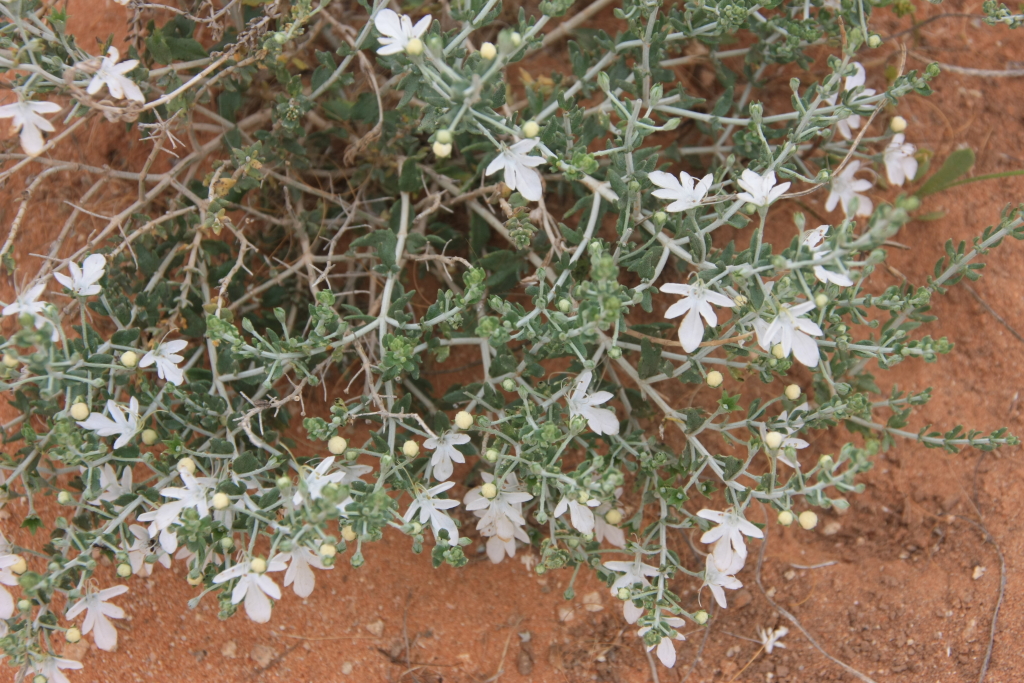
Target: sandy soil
902,598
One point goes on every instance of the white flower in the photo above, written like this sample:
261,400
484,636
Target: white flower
770,638
845,187
813,241
111,488
28,303
686,193
397,31
194,495
166,357
83,280
730,550
501,517
144,546
299,562
97,609
429,506
257,588
791,441
50,667
697,303
580,514
761,190
25,117
635,572
112,75
793,332
666,650
600,420
318,478
900,164
445,452
857,79
519,168
125,425
717,581
7,578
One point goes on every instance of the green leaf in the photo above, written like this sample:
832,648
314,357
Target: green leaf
956,165
650,359
246,463
383,242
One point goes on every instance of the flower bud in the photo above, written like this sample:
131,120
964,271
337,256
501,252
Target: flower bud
659,218
65,498
583,497
410,449
701,617
463,420
793,392
615,352
808,520
124,570
221,500
715,379
531,129
786,518
19,566
491,455
348,533
227,543
442,150
489,491
613,517
337,445
149,436
750,207
820,300
73,635
778,351
874,40
414,47
328,550
564,305
258,565
898,124
10,361
773,440
444,137
516,39
826,462
79,411
194,580
24,605
186,465
623,593
39,678
129,359
508,384
283,482
488,51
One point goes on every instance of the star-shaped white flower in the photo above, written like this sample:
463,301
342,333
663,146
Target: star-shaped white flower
97,610
111,488
519,165
686,192
429,506
144,546
501,517
255,587
717,581
321,476
83,280
299,571
770,638
730,550
580,514
397,30
813,241
900,164
695,304
761,190
51,668
28,303
166,357
600,420
845,187
788,428
793,332
666,649
635,572
125,425
25,117
855,80
112,75
195,495
445,453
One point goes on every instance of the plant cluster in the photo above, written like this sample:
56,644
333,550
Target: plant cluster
339,193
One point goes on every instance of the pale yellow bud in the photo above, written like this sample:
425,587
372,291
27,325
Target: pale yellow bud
491,455
623,593
258,565
337,445
72,635
489,491
149,436
348,533
516,38
531,129
442,150
786,518
194,580
898,124
820,300
414,47
124,570
221,500
613,517
773,440
778,352
129,359
186,465
79,411
444,137
583,497
10,361
808,520
410,449
328,550
715,379
488,51
793,392
701,617
20,565
463,420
